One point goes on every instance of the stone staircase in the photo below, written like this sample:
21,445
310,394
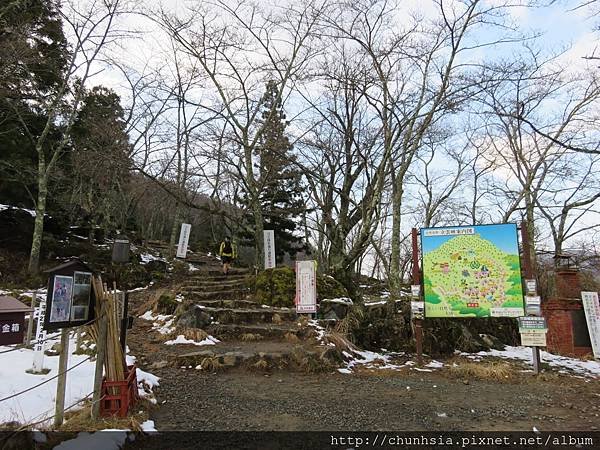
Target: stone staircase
253,336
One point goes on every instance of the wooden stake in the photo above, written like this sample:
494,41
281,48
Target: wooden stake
100,355
30,322
62,379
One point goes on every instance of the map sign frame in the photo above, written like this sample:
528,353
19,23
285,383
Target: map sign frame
472,271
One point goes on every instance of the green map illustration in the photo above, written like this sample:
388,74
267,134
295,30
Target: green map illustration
469,276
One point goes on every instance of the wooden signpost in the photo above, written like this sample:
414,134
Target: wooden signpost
269,244
306,287
184,238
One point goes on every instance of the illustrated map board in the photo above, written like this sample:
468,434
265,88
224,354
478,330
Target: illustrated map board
472,271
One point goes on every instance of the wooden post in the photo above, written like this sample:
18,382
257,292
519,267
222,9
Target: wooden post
100,356
529,272
124,322
416,279
30,321
62,379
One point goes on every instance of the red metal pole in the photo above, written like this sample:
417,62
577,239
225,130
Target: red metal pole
416,279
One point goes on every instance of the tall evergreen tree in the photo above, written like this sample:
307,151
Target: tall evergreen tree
281,196
99,161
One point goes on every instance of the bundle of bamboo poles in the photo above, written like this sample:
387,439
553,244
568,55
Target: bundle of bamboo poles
107,303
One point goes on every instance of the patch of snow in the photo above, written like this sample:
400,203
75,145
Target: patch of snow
30,211
163,323
181,339
320,330
375,303
192,268
344,371
148,426
38,404
147,257
435,364
342,300
441,414
573,365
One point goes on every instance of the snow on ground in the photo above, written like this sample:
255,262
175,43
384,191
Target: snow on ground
163,323
181,339
383,302
192,268
147,257
342,300
38,403
563,363
30,211
319,329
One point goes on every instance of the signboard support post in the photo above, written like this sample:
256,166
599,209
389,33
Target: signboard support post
62,378
100,355
30,321
529,274
416,279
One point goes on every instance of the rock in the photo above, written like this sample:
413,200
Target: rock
159,365
194,317
492,341
334,309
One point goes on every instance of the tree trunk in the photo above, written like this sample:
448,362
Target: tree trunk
395,276
258,233
174,228
40,210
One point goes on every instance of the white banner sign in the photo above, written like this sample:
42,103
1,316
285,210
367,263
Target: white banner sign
40,336
269,239
306,287
591,306
184,238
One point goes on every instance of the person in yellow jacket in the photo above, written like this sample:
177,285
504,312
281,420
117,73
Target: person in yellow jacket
228,253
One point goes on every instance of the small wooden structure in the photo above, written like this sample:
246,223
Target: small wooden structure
12,320
71,298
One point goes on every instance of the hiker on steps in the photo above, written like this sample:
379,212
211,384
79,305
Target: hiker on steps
227,253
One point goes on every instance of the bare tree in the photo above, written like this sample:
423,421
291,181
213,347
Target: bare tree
90,25
240,47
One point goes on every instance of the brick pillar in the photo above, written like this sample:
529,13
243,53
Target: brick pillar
568,284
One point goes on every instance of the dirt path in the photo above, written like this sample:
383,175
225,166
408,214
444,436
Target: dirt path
244,400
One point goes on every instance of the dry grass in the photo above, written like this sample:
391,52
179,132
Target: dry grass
261,364
195,334
488,370
211,364
350,322
250,337
341,342
292,338
80,420
276,319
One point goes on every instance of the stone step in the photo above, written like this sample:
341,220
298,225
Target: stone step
214,285
230,294
245,316
219,303
205,277
219,272
232,331
292,358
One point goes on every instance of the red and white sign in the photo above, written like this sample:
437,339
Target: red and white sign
591,306
306,287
